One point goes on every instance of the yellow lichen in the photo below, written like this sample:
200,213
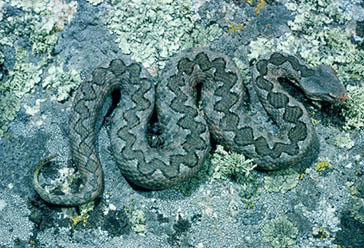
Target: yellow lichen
78,219
323,234
235,28
75,221
260,5
84,220
248,205
323,165
302,175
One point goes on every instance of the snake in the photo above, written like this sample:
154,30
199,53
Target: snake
200,97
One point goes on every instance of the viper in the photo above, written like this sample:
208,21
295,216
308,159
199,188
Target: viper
201,96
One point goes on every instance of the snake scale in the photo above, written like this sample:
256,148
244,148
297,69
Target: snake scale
201,93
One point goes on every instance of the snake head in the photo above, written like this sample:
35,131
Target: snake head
323,85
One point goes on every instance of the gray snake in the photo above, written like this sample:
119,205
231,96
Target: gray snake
201,93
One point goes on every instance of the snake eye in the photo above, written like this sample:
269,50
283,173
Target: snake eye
331,96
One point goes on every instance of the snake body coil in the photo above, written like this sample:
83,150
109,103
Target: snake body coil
187,117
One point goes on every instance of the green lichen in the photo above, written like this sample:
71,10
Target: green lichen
23,77
22,80
138,221
154,30
344,141
281,181
324,41
15,28
353,108
61,82
42,41
280,232
51,10
37,27
9,105
33,5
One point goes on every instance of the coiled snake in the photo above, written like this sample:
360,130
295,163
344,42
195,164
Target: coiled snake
187,117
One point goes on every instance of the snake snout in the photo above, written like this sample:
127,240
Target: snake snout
338,99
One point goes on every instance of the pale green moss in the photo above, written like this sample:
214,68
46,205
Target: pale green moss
61,82
330,45
230,165
154,30
281,181
346,54
280,232
260,47
23,76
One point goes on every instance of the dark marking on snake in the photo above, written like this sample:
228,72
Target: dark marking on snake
187,117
